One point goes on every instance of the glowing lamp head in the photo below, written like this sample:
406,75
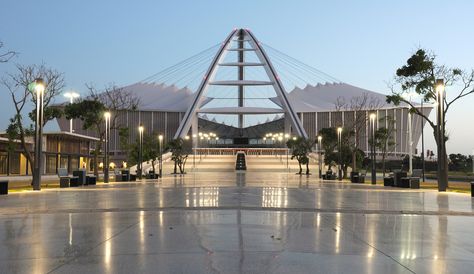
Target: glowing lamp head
264,138
320,138
186,137
160,137
439,86
194,135
372,116
107,115
339,130
294,138
39,85
217,138
287,136
280,138
141,128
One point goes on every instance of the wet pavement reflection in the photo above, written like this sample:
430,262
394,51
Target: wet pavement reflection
236,223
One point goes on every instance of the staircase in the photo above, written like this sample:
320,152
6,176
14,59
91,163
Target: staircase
240,161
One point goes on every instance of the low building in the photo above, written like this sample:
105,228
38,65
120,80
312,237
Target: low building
60,150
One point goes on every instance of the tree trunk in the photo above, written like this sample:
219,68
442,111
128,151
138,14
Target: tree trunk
354,160
307,167
153,166
301,169
442,162
383,164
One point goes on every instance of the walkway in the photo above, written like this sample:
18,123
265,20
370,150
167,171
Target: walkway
236,223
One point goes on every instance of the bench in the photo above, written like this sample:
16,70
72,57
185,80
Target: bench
65,180
412,181
329,175
358,178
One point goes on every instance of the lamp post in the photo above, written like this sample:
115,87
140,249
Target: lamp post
140,150
107,147
339,139
39,88
422,143
372,117
71,95
194,150
160,163
320,138
442,183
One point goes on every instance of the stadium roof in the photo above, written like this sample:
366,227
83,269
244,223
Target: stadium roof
321,97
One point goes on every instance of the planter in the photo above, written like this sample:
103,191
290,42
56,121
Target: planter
3,187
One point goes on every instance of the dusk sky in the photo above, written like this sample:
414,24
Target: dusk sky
359,42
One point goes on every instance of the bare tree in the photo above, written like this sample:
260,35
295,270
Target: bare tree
358,105
17,85
7,55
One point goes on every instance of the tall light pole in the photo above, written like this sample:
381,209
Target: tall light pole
140,150
71,95
39,88
422,143
320,138
442,182
107,147
372,117
160,165
410,144
195,140
339,140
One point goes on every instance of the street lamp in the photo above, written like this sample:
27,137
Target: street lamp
372,117
39,88
71,95
339,139
160,138
320,138
107,147
140,150
442,183
194,150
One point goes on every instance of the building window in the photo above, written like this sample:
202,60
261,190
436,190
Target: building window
15,163
51,164
63,162
74,163
3,163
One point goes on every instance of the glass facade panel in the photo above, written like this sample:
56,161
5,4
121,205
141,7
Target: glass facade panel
74,163
15,163
3,163
63,162
51,164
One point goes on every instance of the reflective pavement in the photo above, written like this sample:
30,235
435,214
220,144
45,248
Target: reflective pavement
236,223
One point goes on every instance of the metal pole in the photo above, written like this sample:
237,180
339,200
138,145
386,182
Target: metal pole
106,156
374,173
410,144
340,154
320,158
70,120
422,144
161,157
39,89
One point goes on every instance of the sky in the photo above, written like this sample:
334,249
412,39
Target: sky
359,42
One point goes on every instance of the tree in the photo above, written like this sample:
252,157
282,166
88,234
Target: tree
419,74
300,148
331,148
384,139
150,149
6,55
91,112
17,85
179,154
359,105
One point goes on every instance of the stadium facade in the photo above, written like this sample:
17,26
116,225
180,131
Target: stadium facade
162,108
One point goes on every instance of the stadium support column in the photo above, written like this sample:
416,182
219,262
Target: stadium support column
194,128
287,124
241,77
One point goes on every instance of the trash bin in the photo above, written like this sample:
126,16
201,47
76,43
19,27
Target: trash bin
354,177
397,178
3,187
472,189
81,174
125,175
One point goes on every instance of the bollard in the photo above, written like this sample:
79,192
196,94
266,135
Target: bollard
472,189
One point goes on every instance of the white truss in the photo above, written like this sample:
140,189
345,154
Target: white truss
241,35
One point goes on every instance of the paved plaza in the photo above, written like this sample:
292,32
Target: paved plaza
236,223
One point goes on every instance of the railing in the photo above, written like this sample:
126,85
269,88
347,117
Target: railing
248,151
